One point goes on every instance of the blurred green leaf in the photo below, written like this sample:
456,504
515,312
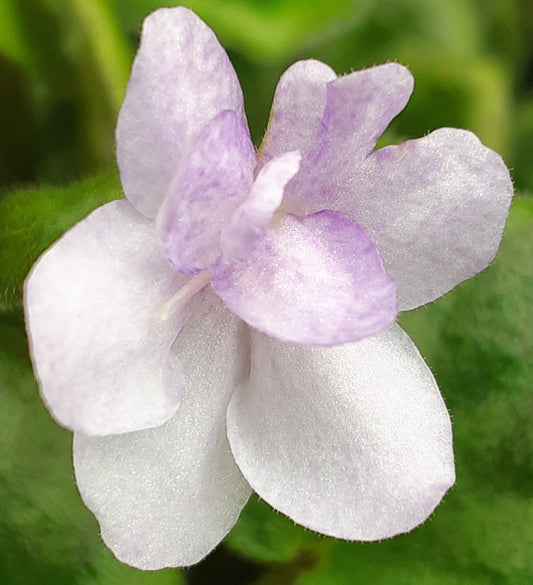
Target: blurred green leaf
521,159
472,94
70,60
46,533
32,219
264,535
501,24
263,30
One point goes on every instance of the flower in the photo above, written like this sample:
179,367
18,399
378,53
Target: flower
305,390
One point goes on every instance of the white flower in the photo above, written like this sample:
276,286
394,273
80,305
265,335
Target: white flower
176,332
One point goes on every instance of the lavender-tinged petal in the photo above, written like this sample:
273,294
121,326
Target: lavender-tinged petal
352,441
297,109
215,177
166,497
313,281
99,349
249,222
435,208
181,79
359,108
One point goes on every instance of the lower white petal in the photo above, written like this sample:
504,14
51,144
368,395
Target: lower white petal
167,496
353,441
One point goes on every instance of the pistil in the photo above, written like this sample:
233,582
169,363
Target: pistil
184,294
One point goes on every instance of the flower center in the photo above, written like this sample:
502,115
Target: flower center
184,294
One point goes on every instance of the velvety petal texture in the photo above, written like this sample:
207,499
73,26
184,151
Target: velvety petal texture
180,80
167,496
100,351
359,107
298,109
435,208
316,280
215,177
174,330
352,441
248,224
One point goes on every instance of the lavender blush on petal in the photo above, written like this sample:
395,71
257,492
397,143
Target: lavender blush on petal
229,327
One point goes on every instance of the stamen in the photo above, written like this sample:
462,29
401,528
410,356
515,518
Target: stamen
186,292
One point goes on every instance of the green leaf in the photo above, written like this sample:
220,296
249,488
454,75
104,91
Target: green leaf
267,536
32,219
46,534
521,157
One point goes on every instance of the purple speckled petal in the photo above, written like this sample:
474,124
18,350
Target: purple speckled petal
297,109
215,178
352,441
181,79
249,222
167,496
359,108
313,281
100,351
435,208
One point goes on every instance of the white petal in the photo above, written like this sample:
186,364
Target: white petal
435,207
167,496
99,348
352,441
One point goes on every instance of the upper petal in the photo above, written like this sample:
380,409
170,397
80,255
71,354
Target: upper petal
352,441
297,109
216,176
167,496
181,78
92,301
435,208
249,222
359,107
314,281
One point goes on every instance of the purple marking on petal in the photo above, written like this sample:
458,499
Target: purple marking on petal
250,220
361,105
359,108
297,109
180,80
312,281
216,176
435,207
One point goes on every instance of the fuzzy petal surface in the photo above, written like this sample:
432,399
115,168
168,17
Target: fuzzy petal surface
353,441
297,109
216,176
359,107
316,280
181,78
435,208
250,221
100,352
167,496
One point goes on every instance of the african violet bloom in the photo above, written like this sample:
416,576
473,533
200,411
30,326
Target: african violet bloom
229,326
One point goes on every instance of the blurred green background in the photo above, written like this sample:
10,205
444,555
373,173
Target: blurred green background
64,65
